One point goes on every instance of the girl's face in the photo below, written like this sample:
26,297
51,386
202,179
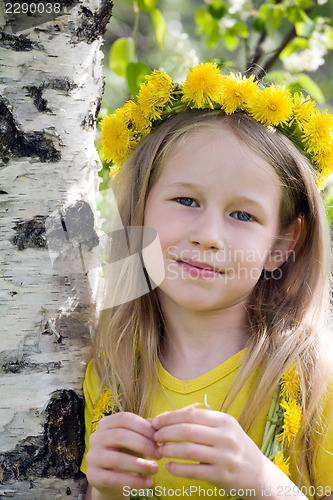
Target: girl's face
216,210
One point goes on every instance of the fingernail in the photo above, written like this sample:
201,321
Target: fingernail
149,482
154,467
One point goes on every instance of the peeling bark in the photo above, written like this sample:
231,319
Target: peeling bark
50,93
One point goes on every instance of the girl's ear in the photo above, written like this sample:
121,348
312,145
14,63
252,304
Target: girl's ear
284,246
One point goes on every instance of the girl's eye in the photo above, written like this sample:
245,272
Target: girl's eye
187,202
242,216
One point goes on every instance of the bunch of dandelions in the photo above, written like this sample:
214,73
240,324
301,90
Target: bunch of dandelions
106,405
205,88
284,420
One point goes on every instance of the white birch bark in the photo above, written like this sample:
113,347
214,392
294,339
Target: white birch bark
50,89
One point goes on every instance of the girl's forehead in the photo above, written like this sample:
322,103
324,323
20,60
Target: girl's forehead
210,138
218,152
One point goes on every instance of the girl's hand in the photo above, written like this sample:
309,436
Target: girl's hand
227,456
116,455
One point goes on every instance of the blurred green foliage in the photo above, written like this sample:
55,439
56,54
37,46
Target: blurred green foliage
288,41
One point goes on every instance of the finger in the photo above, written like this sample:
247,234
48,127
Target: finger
127,420
189,414
203,472
195,433
120,438
189,451
105,479
115,460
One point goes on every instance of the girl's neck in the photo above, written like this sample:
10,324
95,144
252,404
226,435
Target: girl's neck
196,342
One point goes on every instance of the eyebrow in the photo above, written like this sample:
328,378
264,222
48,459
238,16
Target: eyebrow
240,199
250,201
185,185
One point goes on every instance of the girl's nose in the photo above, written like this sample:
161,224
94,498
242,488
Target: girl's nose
208,232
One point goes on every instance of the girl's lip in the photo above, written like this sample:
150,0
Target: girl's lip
200,265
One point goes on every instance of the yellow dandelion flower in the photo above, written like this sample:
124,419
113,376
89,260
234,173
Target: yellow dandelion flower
318,132
292,420
133,113
324,160
116,138
236,91
162,86
149,102
202,86
103,406
104,402
290,383
303,108
154,94
322,177
271,106
282,463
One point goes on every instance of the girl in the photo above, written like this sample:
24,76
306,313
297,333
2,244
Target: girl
217,383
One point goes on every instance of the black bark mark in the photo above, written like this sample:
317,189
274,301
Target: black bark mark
93,25
20,43
58,452
35,143
15,365
64,433
30,233
18,143
36,92
91,117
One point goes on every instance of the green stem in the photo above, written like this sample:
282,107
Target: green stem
272,410
136,11
267,440
172,109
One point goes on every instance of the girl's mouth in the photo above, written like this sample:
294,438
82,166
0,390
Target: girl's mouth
199,269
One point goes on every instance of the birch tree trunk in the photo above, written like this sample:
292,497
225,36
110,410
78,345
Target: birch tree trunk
50,91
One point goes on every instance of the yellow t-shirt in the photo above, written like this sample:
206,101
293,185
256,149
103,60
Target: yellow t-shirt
211,388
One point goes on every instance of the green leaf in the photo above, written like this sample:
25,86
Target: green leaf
305,28
217,9
213,36
296,15
135,74
122,52
201,16
269,21
311,87
208,27
329,38
279,13
241,30
260,20
259,24
328,202
231,40
159,27
295,45
147,5
271,16
203,20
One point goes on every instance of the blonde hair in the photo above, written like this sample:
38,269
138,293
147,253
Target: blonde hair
288,317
